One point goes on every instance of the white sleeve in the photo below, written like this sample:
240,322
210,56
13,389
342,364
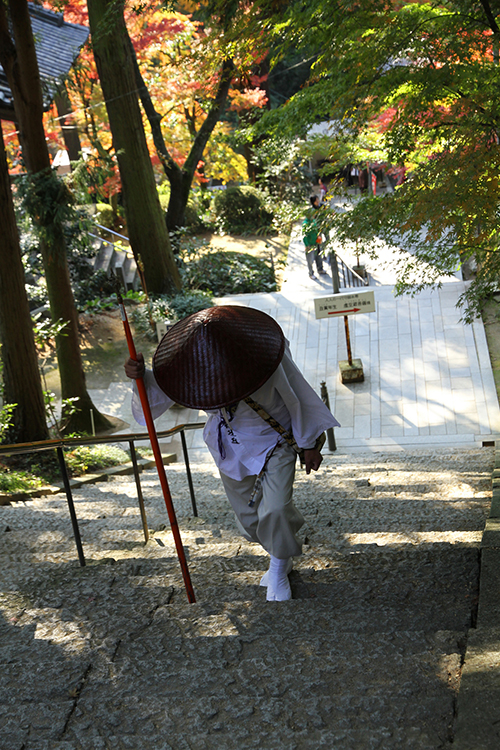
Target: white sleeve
159,402
309,415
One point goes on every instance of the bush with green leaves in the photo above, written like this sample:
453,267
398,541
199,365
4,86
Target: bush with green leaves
222,272
190,302
163,307
105,216
98,286
27,472
6,419
86,458
242,210
164,194
14,481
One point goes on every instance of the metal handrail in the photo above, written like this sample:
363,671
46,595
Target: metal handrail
45,445
112,231
58,444
349,276
126,250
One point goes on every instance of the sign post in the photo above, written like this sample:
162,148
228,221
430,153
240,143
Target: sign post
345,304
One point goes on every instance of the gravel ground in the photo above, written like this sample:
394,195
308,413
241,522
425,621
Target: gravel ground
368,654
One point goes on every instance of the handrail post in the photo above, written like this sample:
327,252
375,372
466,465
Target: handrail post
332,446
71,506
139,490
188,472
335,272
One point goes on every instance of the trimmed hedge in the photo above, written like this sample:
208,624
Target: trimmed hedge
229,272
242,209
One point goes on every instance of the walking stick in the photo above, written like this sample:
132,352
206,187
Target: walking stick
157,454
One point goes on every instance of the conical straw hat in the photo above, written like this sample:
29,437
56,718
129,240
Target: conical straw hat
218,356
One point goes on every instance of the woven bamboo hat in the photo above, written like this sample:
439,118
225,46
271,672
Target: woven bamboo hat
218,356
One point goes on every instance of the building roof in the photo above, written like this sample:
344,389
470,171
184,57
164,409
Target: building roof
57,46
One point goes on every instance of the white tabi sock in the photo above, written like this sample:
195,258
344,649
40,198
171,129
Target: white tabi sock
264,581
278,585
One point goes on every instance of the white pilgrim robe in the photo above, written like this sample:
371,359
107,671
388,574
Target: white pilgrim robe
240,442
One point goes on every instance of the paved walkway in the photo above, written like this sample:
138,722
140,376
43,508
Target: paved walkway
428,377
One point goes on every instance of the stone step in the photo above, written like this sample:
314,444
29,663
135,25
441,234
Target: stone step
367,655
113,259
104,257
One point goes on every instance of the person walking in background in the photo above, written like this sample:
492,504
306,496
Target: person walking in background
312,240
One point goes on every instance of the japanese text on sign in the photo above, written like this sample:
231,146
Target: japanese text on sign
350,303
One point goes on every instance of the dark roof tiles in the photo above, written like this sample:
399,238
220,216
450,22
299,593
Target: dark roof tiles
57,46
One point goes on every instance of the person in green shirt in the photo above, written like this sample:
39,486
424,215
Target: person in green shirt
310,236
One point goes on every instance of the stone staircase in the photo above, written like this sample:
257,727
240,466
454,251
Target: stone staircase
368,654
113,257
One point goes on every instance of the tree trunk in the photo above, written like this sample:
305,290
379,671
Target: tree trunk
18,59
21,376
148,233
181,178
68,127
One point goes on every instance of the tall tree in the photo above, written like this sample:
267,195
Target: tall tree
48,198
146,225
21,376
205,73
181,177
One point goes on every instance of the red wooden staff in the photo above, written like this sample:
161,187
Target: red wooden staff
158,459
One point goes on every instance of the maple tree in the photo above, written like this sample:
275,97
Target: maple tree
147,230
421,77
184,74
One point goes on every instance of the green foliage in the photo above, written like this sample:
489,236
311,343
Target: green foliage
17,481
6,419
47,200
164,194
88,458
282,167
44,330
242,209
33,208
164,307
193,216
222,272
105,215
286,214
413,84
96,292
188,303
37,295
28,472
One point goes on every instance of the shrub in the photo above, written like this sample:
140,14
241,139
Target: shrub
99,286
188,303
105,216
163,307
18,481
92,457
242,209
164,195
27,472
222,272
192,219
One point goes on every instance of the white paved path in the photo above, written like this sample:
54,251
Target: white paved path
428,377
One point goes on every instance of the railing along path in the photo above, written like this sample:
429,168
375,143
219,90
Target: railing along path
131,438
